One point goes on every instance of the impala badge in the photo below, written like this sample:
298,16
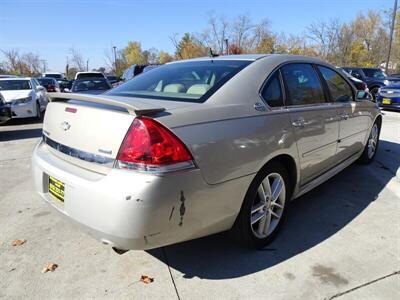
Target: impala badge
65,125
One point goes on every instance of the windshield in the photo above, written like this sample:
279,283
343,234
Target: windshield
90,85
192,81
15,85
375,73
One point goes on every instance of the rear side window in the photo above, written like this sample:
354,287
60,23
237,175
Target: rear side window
302,84
339,89
272,92
192,81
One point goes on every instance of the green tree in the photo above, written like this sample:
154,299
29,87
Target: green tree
133,54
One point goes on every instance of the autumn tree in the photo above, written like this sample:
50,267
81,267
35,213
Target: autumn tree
133,54
189,47
165,57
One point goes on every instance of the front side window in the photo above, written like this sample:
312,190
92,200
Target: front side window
340,90
272,92
192,81
302,84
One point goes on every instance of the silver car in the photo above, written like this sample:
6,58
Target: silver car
202,146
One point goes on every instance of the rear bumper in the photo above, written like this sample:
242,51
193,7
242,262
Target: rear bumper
395,103
131,210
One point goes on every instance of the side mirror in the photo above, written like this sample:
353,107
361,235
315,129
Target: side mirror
363,95
40,88
67,90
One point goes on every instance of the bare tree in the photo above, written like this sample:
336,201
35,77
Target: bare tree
32,61
77,60
12,59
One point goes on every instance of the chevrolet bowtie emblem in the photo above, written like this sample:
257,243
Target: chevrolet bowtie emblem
65,125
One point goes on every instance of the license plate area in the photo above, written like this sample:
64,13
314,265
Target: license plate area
56,188
386,101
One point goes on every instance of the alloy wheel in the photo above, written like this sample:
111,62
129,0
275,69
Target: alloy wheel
268,205
373,141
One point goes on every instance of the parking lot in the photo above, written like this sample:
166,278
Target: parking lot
341,241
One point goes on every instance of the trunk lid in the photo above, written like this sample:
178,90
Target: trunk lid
89,130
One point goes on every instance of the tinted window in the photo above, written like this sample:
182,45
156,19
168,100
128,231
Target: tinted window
272,92
375,73
191,81
356,74
90,85
10,85
89,75
56,76
303,85
338,87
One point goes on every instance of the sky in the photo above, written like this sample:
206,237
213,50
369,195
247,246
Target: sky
51,27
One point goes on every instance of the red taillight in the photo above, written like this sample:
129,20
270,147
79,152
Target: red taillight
51,88
149,146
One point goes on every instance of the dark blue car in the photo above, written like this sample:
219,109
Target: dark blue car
375,78
389,97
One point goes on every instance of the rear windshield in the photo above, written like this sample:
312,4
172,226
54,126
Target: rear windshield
46,81
89,75
90,85
192,81
375,73
56,76
13,85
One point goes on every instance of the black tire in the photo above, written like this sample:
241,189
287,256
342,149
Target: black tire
39,115
374,91
366,156
242,231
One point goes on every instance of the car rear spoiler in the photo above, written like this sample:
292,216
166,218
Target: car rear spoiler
133,107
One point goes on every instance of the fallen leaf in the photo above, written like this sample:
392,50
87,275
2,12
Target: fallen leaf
18,243
146,279
49,267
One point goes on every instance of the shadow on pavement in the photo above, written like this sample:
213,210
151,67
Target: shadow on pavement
10,131
312,219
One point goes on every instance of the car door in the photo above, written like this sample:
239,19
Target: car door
314,120
353,115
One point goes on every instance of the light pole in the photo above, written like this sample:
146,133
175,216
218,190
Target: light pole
391,35
115,59
227,46
87,65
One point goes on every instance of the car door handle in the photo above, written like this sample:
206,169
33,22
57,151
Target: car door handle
299,123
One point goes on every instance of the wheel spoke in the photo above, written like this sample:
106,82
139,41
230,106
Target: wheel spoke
267,189
261,224
274,214
257,207
276,188
261,193
267,223
257,217
275,203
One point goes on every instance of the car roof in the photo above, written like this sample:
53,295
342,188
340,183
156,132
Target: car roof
254,57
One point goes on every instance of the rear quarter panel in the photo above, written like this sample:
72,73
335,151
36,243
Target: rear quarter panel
232,148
